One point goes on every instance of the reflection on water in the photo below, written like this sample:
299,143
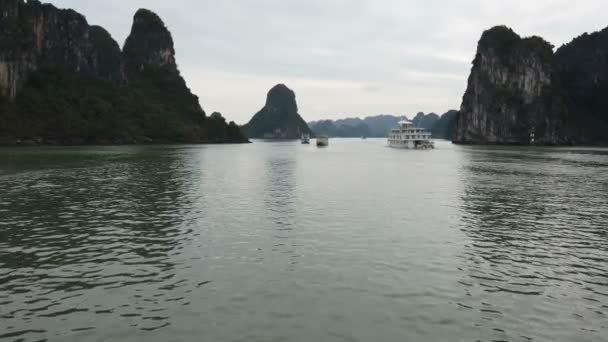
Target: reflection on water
286,242
280,183
280,202
537,253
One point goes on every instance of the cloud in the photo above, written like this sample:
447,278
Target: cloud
341,57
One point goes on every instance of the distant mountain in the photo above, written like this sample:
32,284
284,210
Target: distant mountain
349,122
279,119
380,125
426,121
371,126
336,129
445,126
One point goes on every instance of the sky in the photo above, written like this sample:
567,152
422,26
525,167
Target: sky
343,58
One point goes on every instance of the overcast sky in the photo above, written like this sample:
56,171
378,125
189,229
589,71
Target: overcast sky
341,57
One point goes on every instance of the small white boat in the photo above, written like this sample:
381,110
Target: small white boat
409,137
322,140
305,139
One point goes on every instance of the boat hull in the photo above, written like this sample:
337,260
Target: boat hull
410,145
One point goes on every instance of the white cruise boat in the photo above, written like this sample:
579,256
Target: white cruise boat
409,137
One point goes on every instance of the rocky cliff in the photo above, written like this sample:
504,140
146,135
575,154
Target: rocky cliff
279,119
149,46
63,81
514,94
34,36
583,71
150,65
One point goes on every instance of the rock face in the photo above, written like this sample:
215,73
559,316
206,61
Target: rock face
63,81
279,119
149,46
583,66
513,94
35,36
149,58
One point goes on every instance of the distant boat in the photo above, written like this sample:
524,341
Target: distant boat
409,137
305,139
363,137
322,140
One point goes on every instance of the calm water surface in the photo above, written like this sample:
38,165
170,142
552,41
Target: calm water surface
285,242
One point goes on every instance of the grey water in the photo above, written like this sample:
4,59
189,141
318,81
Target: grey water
278,241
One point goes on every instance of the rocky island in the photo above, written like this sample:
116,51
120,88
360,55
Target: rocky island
445,126
521,92
63,81
279,119
426,121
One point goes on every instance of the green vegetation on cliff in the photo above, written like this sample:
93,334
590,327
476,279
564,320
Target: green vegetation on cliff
67,108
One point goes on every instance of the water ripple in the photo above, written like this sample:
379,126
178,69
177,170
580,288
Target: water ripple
277,241
536,231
